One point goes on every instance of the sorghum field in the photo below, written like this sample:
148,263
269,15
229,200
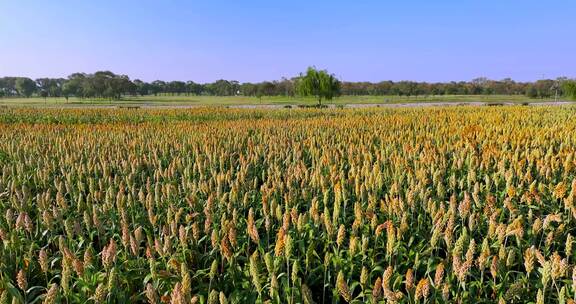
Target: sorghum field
436,205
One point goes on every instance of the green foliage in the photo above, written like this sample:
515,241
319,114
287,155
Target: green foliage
25,86
107,85
318,83
569,88
532,92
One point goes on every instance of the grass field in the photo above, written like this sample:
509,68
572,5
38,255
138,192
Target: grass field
216,205
242,100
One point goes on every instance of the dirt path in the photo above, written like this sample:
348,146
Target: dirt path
412,105
277,106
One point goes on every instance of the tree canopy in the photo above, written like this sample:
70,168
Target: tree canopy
108,85
569,88
25,87
318,83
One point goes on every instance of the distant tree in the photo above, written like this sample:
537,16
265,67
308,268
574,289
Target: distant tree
248,89
73,86
406,88
267,88
88,87
44,94
569,88
105,84
285,87
56,86
43,85
25,86
67,91
194,88
318,83
176,87
122,85
52,86
3,87
545,87
224,87
142,88
259,93
531,91
128,87
157,86
101,83
108,93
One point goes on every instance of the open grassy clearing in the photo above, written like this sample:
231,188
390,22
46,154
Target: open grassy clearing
178,101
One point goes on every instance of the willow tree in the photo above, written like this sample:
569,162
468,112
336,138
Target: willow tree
569,88
318,83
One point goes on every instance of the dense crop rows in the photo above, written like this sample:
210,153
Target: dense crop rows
470,205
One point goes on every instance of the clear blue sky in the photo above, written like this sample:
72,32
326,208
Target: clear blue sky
265,40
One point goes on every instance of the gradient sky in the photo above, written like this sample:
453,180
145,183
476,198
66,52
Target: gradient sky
264,40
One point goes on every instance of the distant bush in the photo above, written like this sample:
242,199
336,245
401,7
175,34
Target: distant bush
316,106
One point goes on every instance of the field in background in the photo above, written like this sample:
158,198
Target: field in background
178,101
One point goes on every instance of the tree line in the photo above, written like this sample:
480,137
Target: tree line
545,88
107,85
